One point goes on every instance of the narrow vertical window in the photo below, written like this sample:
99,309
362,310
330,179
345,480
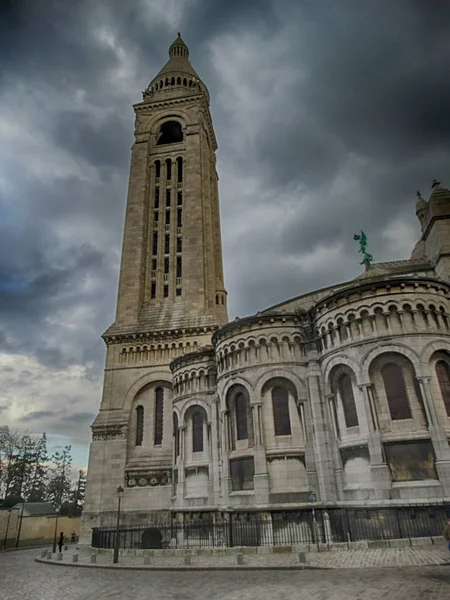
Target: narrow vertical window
179,244
167,244
394,384
179,266
166,265
157,197
156,217
241,417
443,375
139,425
280,407
168,169
159,415
167,197
179,198
153,289
166,291
180,169
348,400
197,432
176,436
154,264
217,299
167,217
179,218
157,169
155,243
178,291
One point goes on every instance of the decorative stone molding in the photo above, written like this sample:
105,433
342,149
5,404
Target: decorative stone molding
108,434
151,478
157,336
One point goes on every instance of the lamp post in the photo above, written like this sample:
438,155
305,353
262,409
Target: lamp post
56,529
119,494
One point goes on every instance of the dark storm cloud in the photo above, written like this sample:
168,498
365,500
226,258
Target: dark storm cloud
329,115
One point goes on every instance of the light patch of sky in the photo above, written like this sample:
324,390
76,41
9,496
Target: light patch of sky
169,13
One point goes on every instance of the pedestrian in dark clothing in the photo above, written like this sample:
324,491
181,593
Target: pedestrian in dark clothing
446,533
61,541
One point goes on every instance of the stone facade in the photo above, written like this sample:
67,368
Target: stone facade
341,395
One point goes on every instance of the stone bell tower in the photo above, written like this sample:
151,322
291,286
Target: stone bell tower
171,293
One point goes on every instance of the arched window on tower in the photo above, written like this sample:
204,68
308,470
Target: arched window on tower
180,169
168,169
197,432
157,169
159,416
443,375
139,425
170,133
241,417
345,389
394,384
280,407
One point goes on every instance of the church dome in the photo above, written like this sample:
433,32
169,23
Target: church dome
177,74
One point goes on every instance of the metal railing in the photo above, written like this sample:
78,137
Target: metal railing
282,528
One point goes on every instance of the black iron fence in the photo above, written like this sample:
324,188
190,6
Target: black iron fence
281,528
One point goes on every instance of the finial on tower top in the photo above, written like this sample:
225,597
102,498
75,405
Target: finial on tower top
435,183
179,48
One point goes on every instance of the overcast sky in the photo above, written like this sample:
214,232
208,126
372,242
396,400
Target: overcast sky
329,116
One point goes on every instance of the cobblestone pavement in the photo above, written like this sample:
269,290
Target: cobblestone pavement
23,579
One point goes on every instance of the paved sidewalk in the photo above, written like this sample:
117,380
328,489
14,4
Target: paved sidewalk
333,559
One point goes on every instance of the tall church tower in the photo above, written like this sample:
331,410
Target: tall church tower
171,293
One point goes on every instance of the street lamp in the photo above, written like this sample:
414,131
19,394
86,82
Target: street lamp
119,494
56,529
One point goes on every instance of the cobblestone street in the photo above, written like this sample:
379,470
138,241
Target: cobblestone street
23,579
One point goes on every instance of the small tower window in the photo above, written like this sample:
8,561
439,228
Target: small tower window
167,197
180,169
197,432
170,133
157,169
153,264
178,292
156,216
217,299
155,243
157,197
166,291
280,407
179,198
166,265
443,375
159,416
167,217
139,425
345,389
394,384
168,169
179,217
153,289
179,244
179,266
241,417
176,435
167,244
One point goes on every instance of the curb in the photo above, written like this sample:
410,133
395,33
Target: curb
187,568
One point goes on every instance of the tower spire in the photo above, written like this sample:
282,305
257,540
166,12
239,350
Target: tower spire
179,48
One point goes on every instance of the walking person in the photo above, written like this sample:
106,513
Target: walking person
61,541
446,533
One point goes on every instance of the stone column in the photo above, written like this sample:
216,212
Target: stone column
338,467
438,435
381,476
225,458
322,432
261,477
180,485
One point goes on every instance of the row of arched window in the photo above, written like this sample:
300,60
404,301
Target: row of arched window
396,392
170,81
168,163
158,419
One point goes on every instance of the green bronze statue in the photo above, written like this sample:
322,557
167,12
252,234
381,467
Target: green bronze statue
368,258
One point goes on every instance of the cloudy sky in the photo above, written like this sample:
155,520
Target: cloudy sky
329,116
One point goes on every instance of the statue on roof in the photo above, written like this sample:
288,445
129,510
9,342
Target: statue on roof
367,257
